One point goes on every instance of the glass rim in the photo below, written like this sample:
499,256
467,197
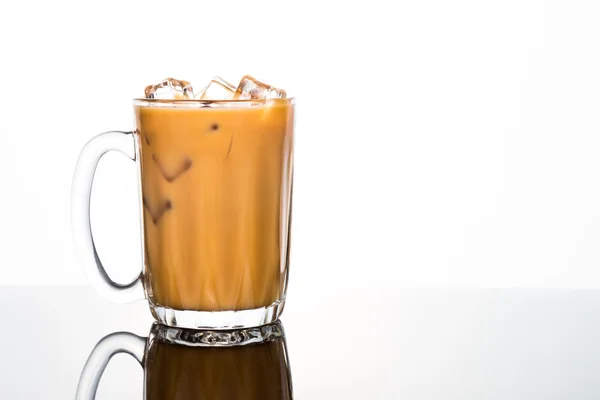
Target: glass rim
193,103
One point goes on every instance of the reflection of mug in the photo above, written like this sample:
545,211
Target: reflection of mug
184,364
216,183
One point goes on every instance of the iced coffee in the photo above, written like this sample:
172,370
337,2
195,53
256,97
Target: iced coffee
216,177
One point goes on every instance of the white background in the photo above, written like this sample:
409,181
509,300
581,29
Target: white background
438,143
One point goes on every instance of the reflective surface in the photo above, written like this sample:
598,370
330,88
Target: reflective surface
413,344
191,364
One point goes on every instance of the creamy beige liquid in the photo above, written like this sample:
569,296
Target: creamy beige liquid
216,186
250,372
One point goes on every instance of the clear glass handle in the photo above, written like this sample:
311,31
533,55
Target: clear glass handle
81,191
119,342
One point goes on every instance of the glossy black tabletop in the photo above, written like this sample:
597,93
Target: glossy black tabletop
350,343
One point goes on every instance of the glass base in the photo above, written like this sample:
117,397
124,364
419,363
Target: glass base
217,338
217,319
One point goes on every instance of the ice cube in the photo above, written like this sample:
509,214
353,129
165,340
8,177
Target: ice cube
171,89
217,89
250,89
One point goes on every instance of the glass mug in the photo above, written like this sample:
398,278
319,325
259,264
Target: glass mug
216,189
183,364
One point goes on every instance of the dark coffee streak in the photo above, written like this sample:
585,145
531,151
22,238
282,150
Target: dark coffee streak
229,149
139,133
187,164
165,206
